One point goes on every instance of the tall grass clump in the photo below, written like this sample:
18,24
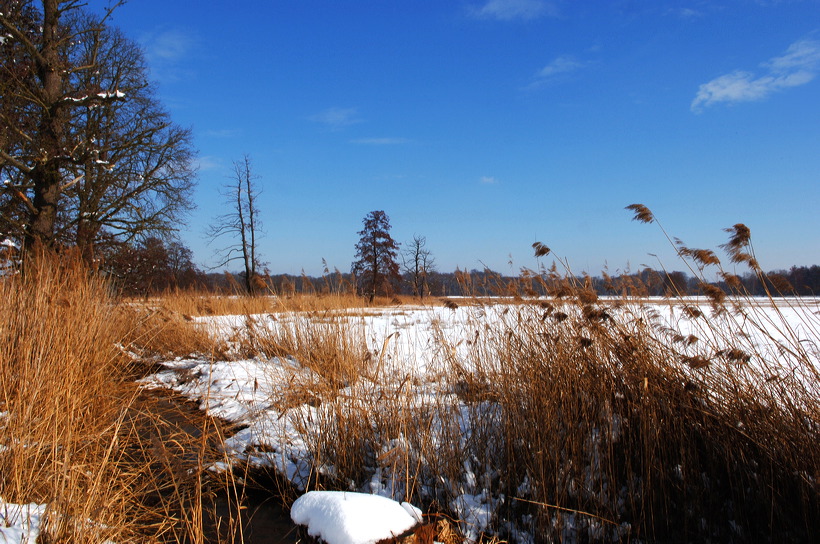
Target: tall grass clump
569,417
64,396
154,333
76,433
194,303
363,423
618,426
333,348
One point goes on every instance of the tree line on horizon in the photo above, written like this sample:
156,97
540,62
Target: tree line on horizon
154,266
798,280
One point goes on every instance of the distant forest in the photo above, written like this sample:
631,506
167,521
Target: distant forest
803,281
154,267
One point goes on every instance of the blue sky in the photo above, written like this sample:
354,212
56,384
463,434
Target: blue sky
488,125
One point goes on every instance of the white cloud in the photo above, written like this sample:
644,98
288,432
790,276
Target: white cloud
166,52
560,66
802,55
167,45
380,141
798,66
337,118
686,13
510,10
206,163
222,133
488,180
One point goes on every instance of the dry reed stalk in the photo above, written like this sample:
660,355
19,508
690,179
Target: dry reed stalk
65,396
75,435
600,419
157,333
192,303
604,419
618,414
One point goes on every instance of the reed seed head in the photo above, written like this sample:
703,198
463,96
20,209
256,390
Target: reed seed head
540,249
642,213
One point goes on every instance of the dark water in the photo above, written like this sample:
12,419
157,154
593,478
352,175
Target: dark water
260,520
263,521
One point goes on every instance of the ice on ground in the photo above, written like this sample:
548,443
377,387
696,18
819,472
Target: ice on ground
340,517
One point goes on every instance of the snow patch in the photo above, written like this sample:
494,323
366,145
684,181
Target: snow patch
476,513
111,94
340,517
20,523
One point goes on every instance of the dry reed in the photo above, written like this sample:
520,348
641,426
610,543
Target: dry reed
76,432
596,419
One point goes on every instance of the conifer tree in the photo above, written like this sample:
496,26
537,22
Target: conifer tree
375,268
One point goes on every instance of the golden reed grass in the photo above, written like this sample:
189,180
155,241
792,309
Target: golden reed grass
76,432
593,417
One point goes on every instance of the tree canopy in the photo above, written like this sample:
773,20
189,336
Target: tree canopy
87,152
375,268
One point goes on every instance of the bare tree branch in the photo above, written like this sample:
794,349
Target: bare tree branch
241,223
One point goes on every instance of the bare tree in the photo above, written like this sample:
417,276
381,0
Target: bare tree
40,91
88,150
375,267
241,224
137,174
418,263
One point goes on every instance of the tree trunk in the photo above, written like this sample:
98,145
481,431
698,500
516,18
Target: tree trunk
243,234
46,196
375,270
46,174
250,267
87,232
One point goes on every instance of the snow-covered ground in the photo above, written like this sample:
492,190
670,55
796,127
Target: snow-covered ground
411,349
413,354
20,523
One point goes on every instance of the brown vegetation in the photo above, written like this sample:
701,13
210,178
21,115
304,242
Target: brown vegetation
77,432
594,419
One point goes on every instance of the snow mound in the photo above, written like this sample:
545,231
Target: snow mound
340,517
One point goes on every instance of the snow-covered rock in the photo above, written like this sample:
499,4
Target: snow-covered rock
340,517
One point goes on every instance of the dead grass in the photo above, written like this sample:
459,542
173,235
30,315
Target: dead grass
596,419
76,432
603,419
156,333
193,304
65,400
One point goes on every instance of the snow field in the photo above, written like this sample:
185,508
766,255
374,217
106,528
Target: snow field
408,398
